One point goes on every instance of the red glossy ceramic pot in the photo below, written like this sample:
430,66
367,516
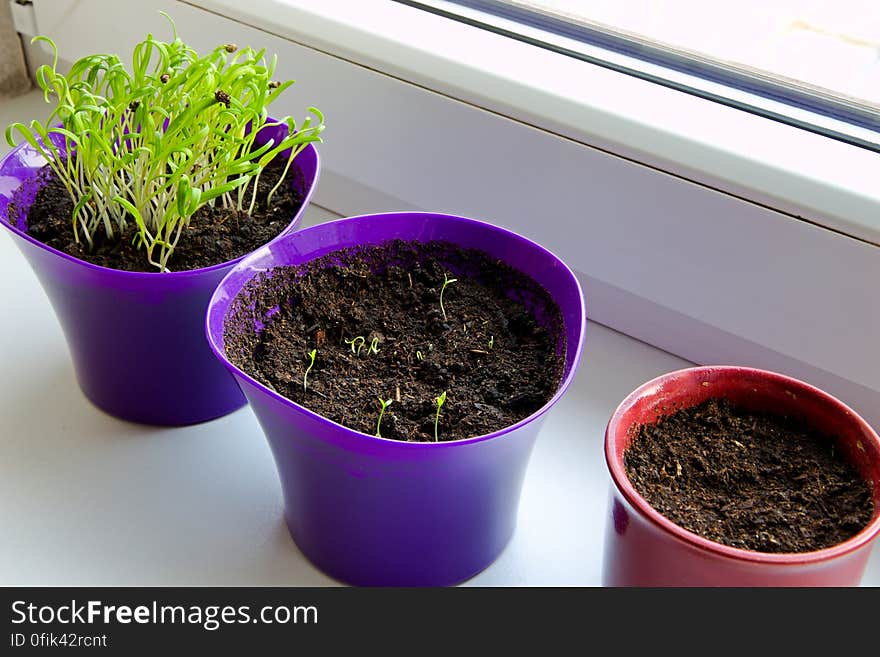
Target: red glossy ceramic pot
643,548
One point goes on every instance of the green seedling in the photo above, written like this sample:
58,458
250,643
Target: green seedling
491,342
374,347
146,146
312,354
385,404
439,401
357,343
419,356
446,282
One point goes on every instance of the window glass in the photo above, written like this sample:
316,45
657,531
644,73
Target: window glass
811,63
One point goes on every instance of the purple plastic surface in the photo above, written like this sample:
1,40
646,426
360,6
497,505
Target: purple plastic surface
137,339
374,511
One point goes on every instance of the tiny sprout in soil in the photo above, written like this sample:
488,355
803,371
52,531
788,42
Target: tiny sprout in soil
385,404
439,401
312,355
357,343
374,347
446,282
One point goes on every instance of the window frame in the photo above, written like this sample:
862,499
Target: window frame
722,147
794,103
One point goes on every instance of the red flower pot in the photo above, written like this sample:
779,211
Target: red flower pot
643,548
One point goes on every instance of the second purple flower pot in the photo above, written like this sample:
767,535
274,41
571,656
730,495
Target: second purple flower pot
373,511
137,339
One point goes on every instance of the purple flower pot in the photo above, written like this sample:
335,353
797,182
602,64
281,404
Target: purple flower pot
137,339
375,511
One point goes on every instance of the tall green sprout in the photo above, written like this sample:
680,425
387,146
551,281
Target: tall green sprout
439,401
154,144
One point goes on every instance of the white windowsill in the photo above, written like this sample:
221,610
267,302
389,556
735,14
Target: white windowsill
60,461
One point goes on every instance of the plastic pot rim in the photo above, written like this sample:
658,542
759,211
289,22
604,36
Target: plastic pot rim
368,439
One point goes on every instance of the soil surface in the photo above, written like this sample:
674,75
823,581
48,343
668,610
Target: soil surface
214,235
747,480
495,363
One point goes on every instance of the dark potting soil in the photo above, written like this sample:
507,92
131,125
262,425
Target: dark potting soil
495,363
214,235
748,480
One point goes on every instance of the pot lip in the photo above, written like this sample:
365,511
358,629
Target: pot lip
144,276
623,485
366,439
